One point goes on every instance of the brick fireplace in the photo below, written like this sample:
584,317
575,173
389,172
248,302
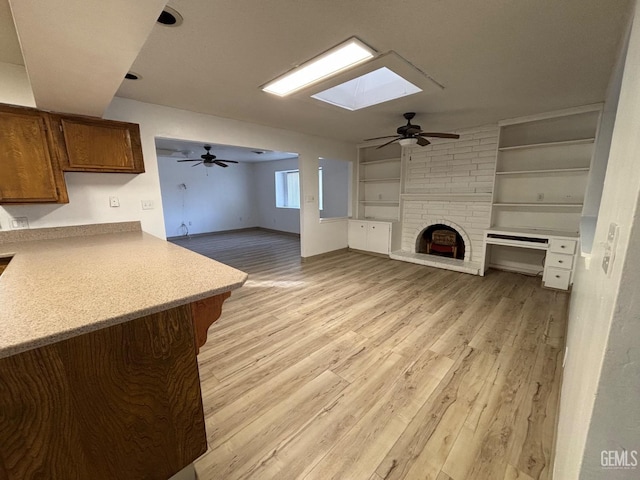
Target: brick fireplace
450,183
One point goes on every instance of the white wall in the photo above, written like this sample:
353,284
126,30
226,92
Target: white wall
88,193
336,182
15,89
270,216
599,404
215,198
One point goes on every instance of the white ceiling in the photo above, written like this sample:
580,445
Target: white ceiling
184,149
77,52
496,58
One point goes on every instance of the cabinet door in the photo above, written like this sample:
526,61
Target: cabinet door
378,235
94,145
29,172
358,235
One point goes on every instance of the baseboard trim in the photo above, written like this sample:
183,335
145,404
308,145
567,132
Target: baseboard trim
320,256
373,254
235,230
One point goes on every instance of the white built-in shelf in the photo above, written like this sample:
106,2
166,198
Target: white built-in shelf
385,160
539,205
380,202
380,180
549,144
552,170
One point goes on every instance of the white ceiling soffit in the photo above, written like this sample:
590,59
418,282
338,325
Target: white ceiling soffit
77,51
496,59
9,46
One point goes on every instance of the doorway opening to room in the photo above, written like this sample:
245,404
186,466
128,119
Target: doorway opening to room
221,200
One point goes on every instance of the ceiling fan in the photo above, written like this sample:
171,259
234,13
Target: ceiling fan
411,131
208,159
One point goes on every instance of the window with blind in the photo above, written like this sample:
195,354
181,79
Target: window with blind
288,188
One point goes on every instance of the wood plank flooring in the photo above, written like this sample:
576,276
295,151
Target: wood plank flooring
358,367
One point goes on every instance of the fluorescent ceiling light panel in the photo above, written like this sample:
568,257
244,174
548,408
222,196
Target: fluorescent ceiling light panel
345,55
375,87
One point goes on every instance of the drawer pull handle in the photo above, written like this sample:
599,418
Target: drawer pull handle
560,261
557,276
561,246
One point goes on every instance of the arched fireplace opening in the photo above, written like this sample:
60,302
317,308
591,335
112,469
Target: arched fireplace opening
441,240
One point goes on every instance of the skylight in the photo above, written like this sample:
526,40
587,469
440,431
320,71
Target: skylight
345,55
375,87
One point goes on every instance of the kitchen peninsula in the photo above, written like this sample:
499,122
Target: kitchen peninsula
99,330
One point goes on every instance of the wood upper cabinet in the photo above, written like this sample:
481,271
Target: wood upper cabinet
29,168
87,144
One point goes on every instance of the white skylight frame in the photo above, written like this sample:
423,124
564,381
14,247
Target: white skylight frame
375,87
342,57
391,60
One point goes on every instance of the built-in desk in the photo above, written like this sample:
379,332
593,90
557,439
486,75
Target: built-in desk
560,248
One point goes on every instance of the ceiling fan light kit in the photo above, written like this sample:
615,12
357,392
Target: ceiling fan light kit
208,159
411,134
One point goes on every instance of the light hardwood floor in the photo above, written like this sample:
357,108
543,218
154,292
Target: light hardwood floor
359,367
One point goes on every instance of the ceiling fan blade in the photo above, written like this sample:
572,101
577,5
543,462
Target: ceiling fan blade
228,161
380,138
423,142
388,143
191,160
220,164
439,135
196,164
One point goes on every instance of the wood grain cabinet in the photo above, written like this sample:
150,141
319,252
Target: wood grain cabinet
87,144
37,146
29,166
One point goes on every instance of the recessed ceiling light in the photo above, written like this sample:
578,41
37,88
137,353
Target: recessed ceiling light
346,55
378,86
132,76
170,17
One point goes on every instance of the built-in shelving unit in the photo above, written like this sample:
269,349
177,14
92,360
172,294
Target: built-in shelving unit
542,170
541,176
379,178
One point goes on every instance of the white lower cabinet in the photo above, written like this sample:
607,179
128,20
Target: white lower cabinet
370,236
558,264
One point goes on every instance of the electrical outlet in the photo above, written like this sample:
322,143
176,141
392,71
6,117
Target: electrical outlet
540,197
114,202
147,204
19,223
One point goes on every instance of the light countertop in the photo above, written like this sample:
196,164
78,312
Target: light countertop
59,288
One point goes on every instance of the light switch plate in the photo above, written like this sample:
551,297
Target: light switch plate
147,204
114,202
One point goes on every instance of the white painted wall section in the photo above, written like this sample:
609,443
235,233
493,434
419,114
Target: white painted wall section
268,215
599,404
213,199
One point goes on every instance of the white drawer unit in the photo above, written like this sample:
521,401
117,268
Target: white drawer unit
370,236
559,260
561,245
559,251
556,278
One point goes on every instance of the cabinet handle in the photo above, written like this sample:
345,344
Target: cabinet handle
561,246
557,276
560,261
373,228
